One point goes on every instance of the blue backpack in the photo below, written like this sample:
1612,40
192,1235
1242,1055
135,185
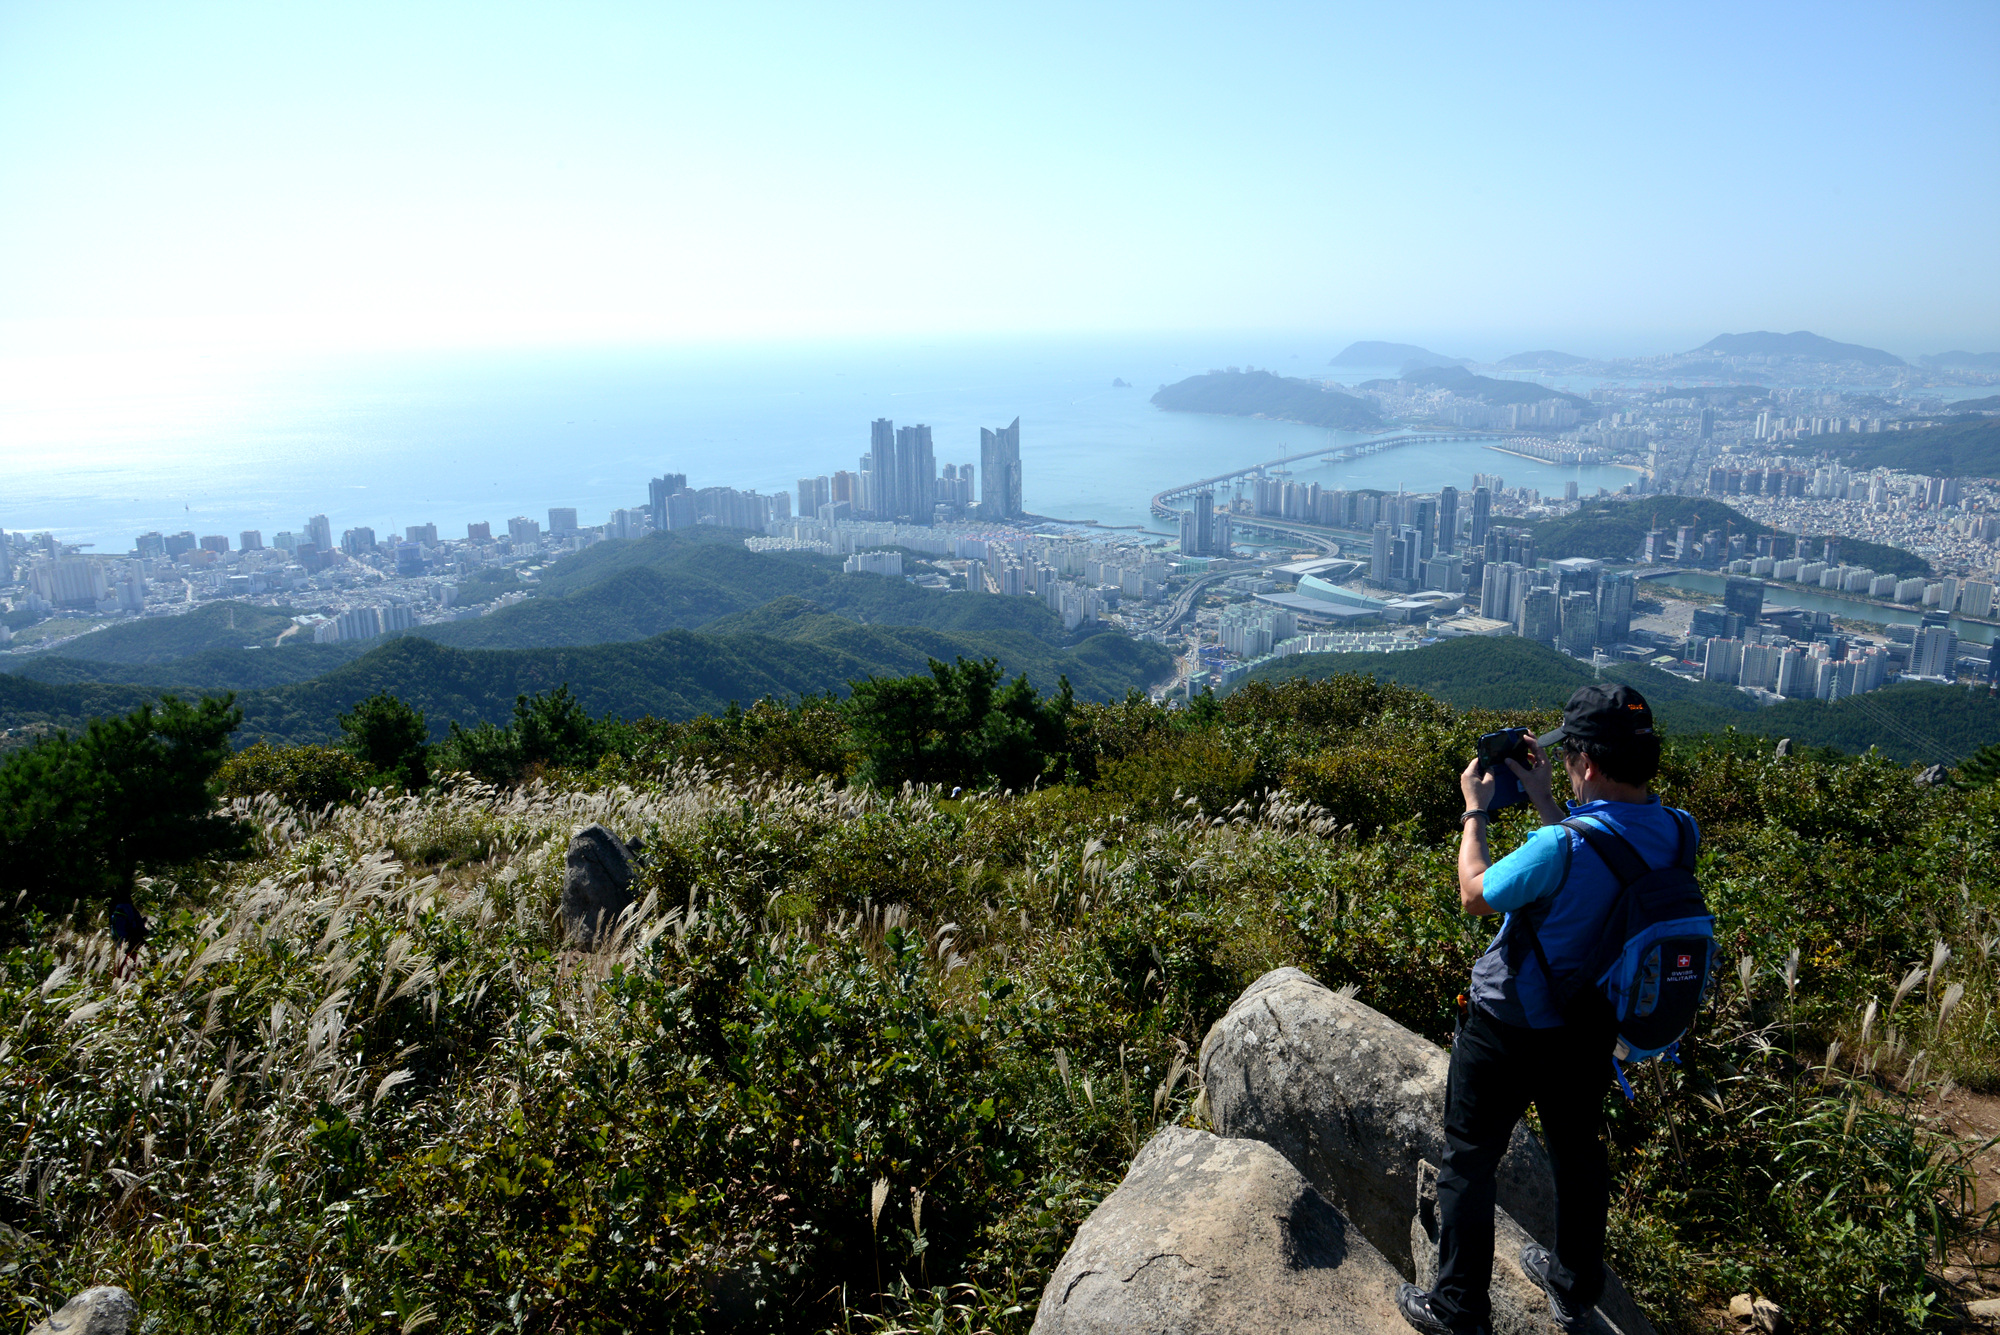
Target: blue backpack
1652,961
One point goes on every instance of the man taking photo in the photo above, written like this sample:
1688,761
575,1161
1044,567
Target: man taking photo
1516,1045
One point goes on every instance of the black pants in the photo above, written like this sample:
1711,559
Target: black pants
1497,1070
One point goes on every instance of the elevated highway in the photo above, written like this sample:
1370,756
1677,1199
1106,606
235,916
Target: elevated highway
1329,453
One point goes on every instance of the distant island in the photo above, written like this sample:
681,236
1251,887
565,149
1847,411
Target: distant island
1545,360
1961,361
1403,355
1484,388
1118,382
1800,344
1261,394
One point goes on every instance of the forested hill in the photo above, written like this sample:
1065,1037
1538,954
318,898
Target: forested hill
1917,722
1486,388
1615,528
1956,449
1800,343
1261,394
786,649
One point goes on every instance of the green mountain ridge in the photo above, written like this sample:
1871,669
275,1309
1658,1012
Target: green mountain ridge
1956,449
1917,722
795,650
1614,529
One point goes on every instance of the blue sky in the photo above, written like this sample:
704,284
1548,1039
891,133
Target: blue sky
1606,178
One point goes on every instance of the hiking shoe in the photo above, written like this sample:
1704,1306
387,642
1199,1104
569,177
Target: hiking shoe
1535,1264
1415,1305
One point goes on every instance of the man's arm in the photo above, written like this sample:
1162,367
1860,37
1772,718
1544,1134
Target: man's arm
1473,859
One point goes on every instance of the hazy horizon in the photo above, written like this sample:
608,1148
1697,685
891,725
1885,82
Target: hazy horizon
1603,181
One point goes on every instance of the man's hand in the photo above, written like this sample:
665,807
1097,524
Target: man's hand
1536,777
1477,787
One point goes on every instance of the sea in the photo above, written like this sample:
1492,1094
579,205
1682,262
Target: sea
98,449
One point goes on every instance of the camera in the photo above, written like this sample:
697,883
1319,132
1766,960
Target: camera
1495,750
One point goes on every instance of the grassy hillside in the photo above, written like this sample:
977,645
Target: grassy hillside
223,625
1957,449
865,1058
1259,393
1917,722
1613,529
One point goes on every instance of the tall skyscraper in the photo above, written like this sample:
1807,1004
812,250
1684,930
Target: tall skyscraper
1541,618
1447,529
885,497
1579,624
657,492
562,519
1378,555
1482,515
1000,470
320,533
1746,598
916,468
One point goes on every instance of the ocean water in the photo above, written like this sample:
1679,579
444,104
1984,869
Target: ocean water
100,451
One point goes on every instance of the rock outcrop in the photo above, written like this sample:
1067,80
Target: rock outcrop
1214,1236
597,884
1355,1102
104,1310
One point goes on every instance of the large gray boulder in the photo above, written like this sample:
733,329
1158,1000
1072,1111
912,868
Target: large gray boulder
597,884
104,1310
1356,1103
1207,1236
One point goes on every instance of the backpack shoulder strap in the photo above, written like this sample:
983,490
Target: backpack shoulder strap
1690,838
1617,851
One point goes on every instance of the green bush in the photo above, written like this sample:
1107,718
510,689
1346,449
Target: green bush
82,817
309,777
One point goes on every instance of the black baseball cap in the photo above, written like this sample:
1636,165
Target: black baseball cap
1603,712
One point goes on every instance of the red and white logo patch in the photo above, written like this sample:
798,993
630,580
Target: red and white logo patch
1684,962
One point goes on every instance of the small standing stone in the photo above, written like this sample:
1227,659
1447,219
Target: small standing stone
104,1310
597,884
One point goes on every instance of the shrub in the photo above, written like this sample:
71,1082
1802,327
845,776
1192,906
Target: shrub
309,777
81,817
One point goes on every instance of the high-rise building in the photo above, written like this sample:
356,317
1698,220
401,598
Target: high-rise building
425,533
1934,653
813,493
658,492
1541,615
1424,519
523,531
1000,470
1482,515
916,467
409,560
562,519
319,532
1745,597
1576,574
1501,587
1378,559
358,541
1616,590
1579,624
1447,521
1569,490
881,466
480,532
